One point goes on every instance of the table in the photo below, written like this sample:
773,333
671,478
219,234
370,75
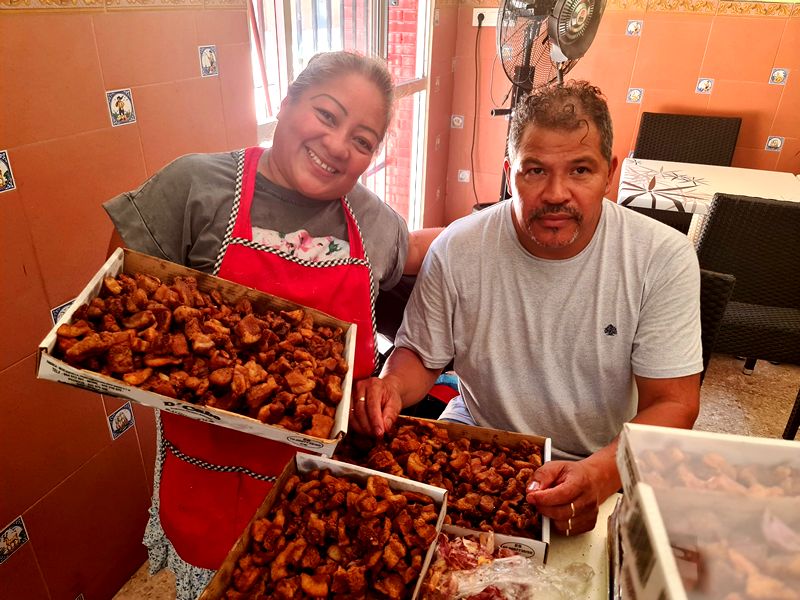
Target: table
690,187
589,547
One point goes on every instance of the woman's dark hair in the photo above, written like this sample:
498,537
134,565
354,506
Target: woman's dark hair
331,65
565,106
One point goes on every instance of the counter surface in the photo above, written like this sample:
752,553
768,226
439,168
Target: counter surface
589,547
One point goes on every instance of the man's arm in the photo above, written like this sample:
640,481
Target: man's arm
403,382
418,243
570,493
673,402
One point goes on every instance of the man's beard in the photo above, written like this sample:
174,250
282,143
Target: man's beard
554,209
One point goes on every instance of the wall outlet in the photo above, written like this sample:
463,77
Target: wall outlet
489,16
463,176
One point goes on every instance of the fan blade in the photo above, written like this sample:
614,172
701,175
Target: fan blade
573,25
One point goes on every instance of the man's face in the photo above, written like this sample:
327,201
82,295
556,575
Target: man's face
558,179
327,137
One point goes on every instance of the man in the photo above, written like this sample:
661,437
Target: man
566,314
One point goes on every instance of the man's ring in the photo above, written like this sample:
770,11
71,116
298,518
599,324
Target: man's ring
572,508
569,524
566,533
362,399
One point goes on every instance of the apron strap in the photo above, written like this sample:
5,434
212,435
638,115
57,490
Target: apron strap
243,228
246,170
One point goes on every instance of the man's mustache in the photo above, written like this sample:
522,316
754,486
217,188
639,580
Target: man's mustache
556,209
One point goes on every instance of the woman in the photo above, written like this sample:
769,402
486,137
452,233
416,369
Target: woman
291,221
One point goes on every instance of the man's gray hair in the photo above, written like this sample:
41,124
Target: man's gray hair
565,106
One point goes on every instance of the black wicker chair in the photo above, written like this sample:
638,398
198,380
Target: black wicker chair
685,138
715,291
758,241
790,432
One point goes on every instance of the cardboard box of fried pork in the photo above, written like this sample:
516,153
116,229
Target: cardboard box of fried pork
304,463
130,262
709,515
525,546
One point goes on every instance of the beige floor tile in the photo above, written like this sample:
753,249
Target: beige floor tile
143,586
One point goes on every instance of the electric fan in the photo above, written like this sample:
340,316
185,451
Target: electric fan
539,42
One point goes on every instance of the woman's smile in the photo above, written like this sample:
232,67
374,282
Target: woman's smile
319,162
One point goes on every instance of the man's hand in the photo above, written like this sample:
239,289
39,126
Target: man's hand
377,402
375,406
568,493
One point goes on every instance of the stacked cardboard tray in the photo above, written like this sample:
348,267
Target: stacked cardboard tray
303,463
709,516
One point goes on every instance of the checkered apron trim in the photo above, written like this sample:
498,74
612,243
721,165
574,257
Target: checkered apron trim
229,239
196,462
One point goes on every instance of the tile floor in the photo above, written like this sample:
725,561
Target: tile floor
731,402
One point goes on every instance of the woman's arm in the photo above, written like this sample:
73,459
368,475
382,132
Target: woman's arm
418,243
114,243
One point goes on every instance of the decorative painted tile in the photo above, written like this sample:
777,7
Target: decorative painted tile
55,313
774,143
120,107
635,95
704,85
463,176
6,176
435,17
120,420
208,61
457,121
12,538
762,9
779,76
634,28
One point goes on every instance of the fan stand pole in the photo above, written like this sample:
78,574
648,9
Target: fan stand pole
524,75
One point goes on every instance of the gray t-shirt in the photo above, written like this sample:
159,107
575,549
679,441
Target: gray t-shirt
550,347
181,213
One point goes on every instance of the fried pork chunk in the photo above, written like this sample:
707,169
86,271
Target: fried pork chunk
486,481
331,537
176,340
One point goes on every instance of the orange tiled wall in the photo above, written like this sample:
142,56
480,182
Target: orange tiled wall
82,497
737,44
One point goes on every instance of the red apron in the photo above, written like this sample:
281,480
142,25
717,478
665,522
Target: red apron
213,478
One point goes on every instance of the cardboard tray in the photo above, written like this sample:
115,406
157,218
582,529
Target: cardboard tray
302,464
528,547
636,440
672,541
129,262
648,567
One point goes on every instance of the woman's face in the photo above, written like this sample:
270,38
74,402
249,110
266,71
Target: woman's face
326,138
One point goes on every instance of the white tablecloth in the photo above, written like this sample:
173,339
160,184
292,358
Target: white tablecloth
689,187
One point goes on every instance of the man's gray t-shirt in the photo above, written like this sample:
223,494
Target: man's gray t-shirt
550,347
180,214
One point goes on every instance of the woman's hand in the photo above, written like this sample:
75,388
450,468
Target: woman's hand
568,493
375,405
